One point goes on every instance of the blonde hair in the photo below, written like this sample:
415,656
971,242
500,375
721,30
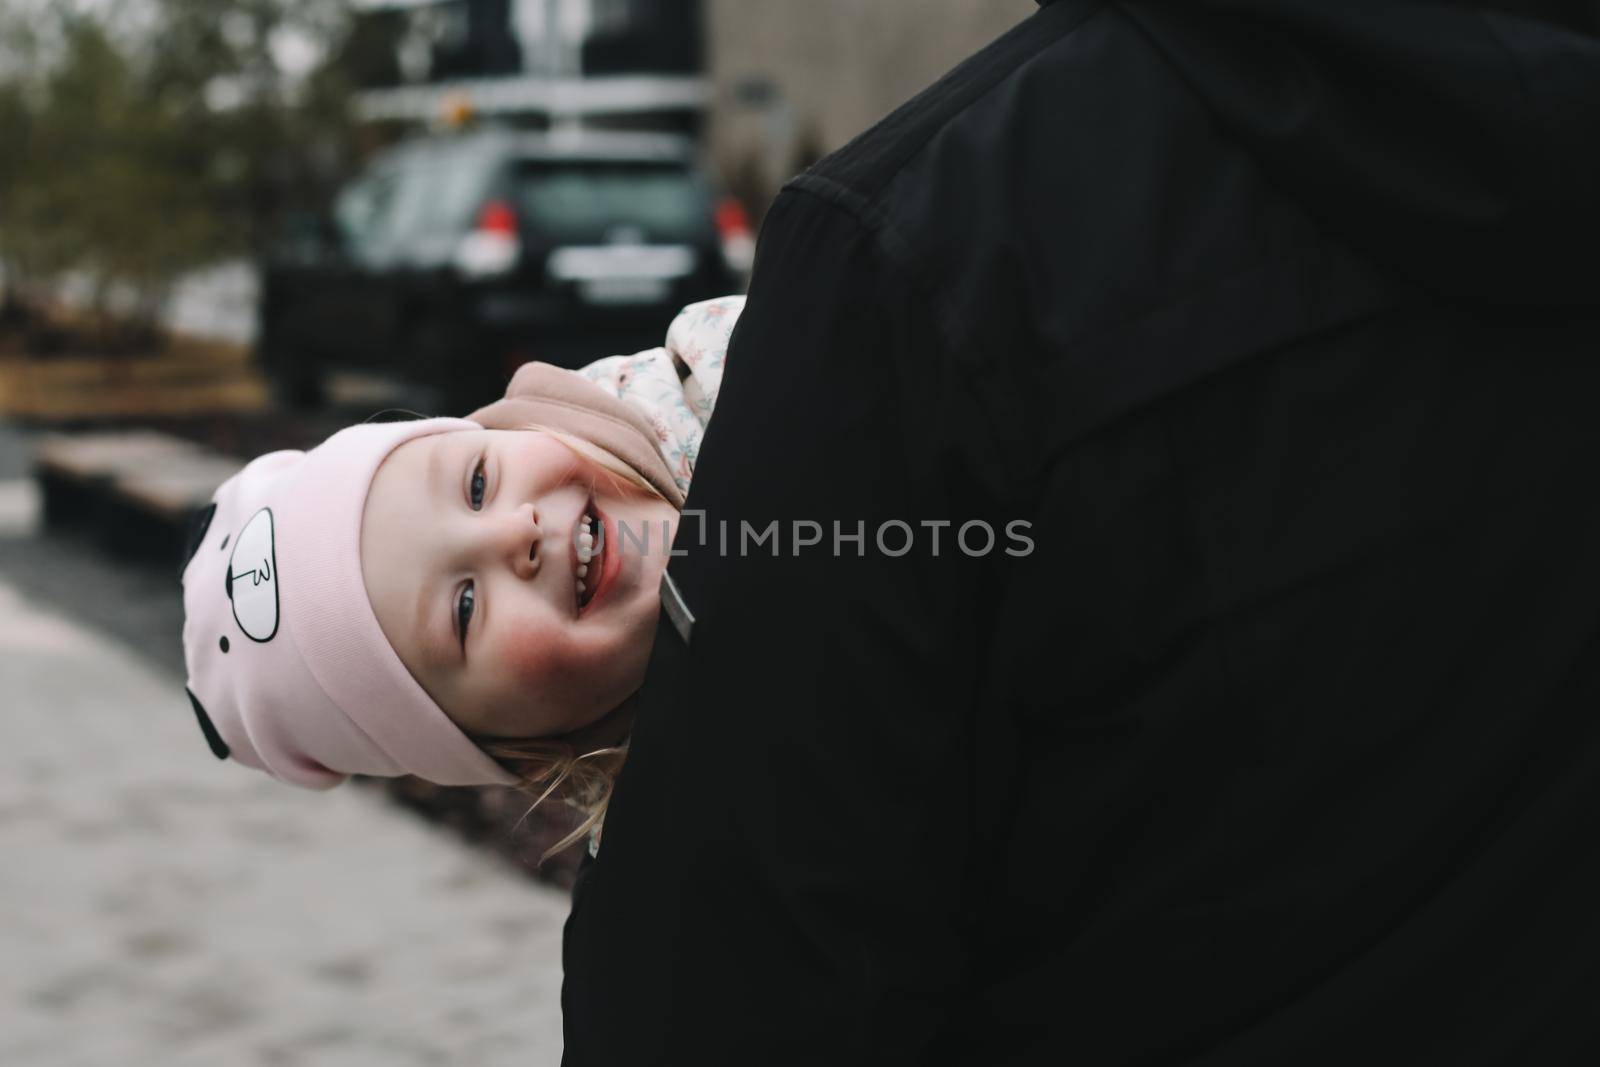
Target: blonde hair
553,766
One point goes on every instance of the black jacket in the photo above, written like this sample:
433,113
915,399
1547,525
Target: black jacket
1277,321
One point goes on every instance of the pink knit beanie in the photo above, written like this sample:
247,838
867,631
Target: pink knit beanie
288,670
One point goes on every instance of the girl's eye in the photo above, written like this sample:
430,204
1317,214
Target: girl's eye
475,495
464,605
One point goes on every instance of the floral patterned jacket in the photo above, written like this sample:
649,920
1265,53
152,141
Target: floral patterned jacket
675,386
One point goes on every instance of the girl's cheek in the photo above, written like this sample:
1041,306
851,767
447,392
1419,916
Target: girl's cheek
530,654
549,657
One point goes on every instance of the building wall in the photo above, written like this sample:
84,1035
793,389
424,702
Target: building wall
793,81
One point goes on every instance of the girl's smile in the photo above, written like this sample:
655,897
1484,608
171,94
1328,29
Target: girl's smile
493,565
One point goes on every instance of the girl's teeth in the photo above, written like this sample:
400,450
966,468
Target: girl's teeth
580,585
584,543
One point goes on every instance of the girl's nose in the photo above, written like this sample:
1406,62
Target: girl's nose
519,539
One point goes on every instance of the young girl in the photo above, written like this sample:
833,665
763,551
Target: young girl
471,601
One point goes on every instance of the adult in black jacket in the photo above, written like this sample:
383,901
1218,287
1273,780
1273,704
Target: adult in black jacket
1278,323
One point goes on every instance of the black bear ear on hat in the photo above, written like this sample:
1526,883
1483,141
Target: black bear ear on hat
219,747
199,523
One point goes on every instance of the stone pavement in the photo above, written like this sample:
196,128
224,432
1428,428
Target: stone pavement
160,907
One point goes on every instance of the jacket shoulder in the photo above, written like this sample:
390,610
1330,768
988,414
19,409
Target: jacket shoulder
1086,238
864,166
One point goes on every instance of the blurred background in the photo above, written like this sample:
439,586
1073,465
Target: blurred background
229,226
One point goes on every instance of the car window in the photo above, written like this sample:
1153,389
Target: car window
586,201
459,190
436,198
361,209
409,218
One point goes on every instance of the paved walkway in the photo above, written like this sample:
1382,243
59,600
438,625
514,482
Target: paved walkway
160,907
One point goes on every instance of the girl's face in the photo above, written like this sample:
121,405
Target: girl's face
470,549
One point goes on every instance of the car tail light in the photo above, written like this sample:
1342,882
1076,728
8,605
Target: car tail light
497,216
493,245
732,221
733,227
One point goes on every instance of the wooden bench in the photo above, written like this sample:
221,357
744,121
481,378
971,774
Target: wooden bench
137,488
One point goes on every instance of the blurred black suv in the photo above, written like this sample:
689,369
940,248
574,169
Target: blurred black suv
453,259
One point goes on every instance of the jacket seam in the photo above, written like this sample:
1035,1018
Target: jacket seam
1098,7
